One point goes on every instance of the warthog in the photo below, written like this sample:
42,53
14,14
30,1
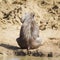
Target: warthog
29,33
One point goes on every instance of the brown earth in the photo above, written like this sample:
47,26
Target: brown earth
47,15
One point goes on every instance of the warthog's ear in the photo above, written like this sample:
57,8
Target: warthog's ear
23,18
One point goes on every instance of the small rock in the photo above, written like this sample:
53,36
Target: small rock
20,53
38,54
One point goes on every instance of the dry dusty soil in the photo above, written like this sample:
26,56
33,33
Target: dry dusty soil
47,16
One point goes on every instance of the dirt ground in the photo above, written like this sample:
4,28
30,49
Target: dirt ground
47,16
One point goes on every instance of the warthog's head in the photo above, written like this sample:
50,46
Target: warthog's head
27,16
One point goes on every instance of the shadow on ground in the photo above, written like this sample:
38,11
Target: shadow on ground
16,50
9,46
